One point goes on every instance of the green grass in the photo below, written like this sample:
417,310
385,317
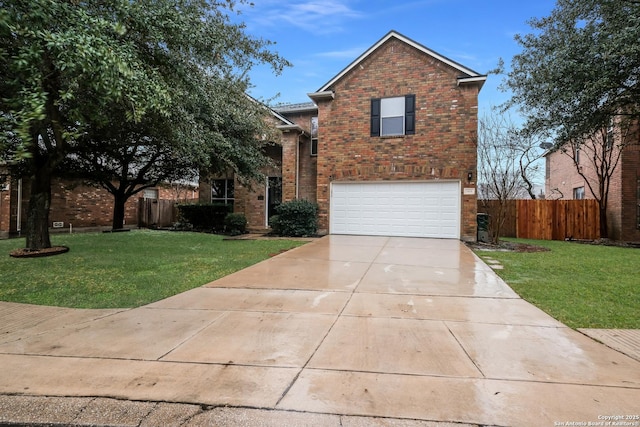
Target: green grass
583,286
121,270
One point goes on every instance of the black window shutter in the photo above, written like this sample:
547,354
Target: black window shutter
375,117
409,114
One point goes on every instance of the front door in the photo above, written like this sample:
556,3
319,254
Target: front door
274,194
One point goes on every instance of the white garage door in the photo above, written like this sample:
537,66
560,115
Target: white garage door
410,209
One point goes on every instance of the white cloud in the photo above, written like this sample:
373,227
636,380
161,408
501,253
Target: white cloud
350,53
314,16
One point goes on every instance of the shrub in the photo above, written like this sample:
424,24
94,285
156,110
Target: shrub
204,217
274,223
235,224
297,218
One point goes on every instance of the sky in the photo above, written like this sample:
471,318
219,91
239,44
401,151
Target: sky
322,37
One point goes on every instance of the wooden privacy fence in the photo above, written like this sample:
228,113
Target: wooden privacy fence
547,219
157,213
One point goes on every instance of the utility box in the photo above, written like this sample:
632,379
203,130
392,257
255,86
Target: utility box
483,228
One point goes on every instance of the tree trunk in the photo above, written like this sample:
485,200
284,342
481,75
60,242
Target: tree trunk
119,201
37,232
604,229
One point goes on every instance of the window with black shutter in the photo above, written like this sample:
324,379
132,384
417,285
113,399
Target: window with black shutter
375,117
409,114
393,116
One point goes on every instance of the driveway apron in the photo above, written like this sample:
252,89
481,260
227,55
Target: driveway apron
408,328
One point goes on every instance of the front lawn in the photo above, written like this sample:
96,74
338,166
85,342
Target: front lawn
120,270
583,286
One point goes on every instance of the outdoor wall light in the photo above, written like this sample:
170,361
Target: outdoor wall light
469,176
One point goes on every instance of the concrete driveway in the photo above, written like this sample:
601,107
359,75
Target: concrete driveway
346,330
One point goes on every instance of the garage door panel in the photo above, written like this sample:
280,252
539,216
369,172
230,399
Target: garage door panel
414,209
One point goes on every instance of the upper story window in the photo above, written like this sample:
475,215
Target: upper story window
609,138
393,116
578,193
314,136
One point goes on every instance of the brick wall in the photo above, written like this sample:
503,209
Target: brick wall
5,210
443,146
307,166
289,164
307,175
86,206
630,193
563,177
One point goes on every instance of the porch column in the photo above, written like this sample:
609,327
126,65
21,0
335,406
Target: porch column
289,165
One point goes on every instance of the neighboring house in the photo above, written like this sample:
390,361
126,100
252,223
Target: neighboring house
77,205
623,211
388,147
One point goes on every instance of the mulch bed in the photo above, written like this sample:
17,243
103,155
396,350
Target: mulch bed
607,242
27,253
507,247
523,247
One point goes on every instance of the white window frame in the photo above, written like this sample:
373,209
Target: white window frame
150,194
314,135
225,199
392,108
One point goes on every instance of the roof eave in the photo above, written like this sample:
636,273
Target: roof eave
294,127
479,80
310,108
322,95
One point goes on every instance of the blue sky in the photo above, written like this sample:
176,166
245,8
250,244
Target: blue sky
320,38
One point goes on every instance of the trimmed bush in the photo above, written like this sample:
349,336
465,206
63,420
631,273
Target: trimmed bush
274,223
235,224
204,217
297,218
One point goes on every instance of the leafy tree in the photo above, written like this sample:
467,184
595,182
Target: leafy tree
577,74
49,51
129,158
126,159
70,71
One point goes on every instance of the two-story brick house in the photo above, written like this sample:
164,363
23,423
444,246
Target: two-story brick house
562,180
388,147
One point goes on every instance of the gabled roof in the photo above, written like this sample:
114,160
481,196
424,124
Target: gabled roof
283,119
286,124
467,74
